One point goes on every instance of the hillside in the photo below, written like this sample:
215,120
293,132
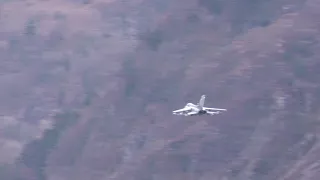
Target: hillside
88,87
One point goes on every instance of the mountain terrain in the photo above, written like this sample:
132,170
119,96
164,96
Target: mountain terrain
88,86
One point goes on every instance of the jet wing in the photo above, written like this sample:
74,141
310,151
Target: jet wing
213,113
182,111
185,109
213,109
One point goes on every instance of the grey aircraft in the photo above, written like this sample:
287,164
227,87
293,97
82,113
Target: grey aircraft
191,109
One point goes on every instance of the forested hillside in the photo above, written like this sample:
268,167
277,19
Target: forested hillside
87,88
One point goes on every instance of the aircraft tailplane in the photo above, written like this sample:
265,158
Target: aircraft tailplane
201,101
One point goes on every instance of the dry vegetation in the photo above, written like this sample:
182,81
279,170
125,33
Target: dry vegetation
106,75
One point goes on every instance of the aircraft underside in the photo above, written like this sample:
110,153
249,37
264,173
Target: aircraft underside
200,112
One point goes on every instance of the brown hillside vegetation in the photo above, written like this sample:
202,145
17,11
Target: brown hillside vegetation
88,86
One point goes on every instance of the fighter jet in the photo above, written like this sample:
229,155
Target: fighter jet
191,109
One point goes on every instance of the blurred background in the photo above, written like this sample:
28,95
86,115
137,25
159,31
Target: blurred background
88,87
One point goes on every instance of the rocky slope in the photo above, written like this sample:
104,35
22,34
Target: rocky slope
88,87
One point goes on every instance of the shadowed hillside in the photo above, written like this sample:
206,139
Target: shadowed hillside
88,87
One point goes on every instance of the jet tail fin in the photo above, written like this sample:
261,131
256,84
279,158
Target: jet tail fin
201,101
